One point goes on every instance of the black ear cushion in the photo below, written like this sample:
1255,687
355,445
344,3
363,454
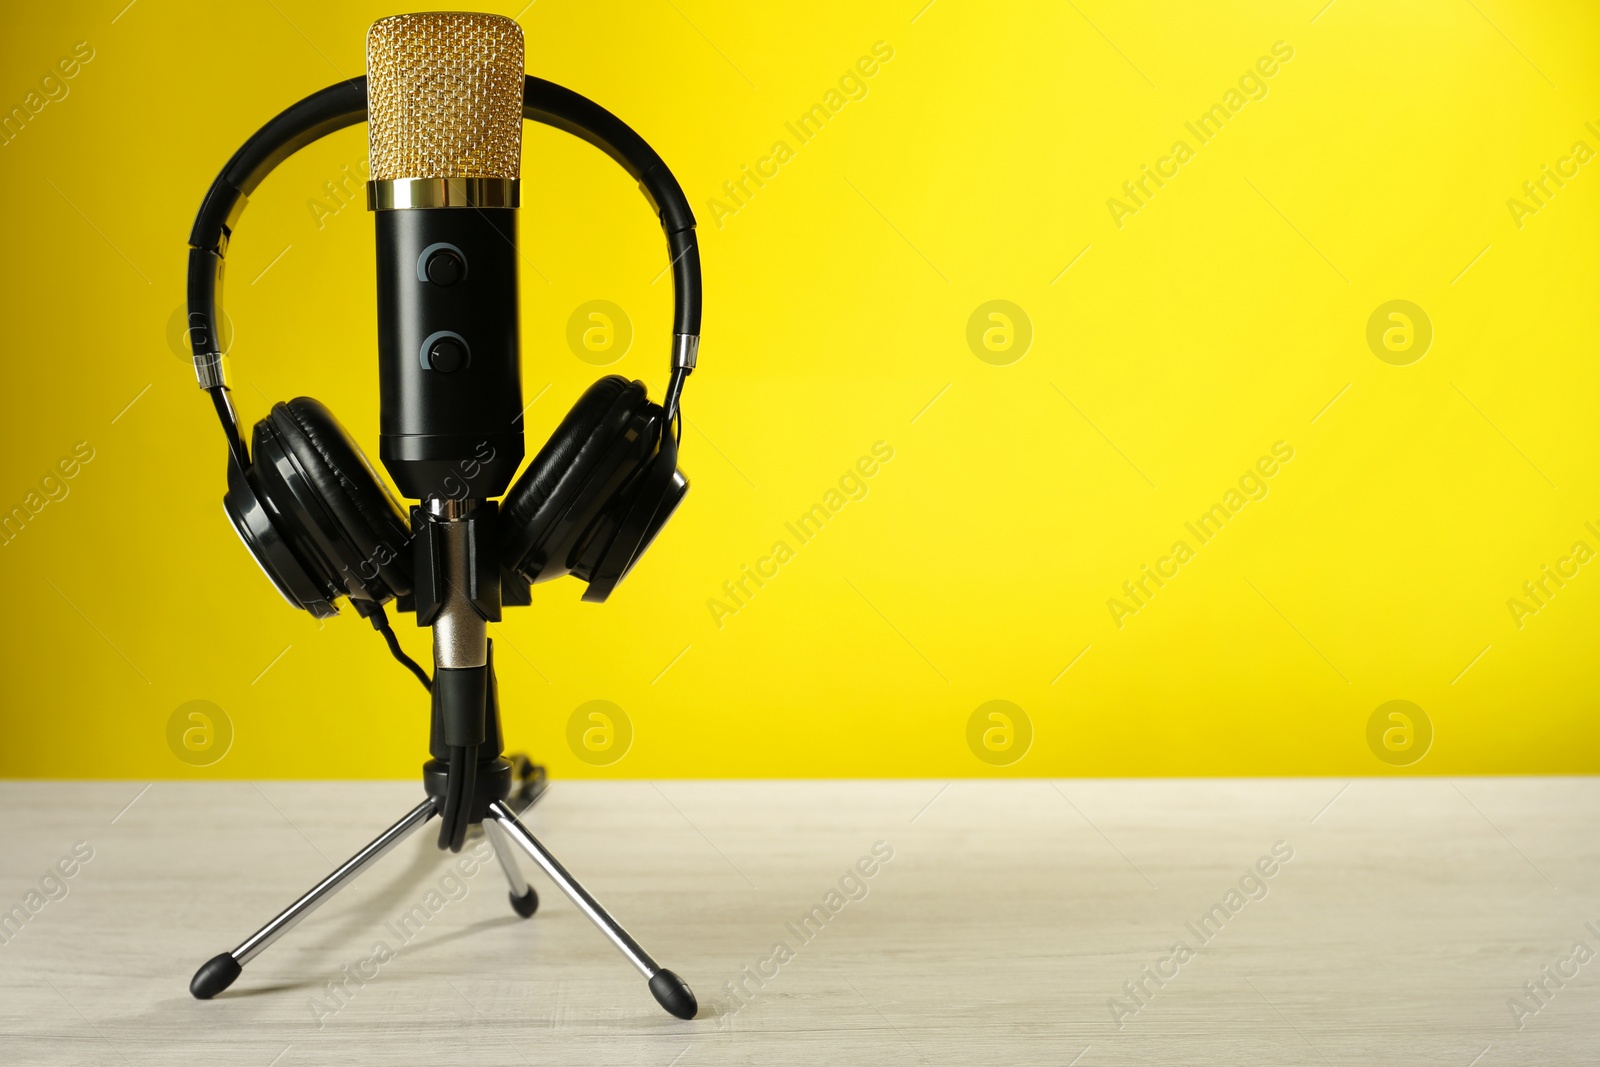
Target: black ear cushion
247,504
638,517
345,482
568,461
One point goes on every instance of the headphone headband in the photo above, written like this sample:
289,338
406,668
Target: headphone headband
345,104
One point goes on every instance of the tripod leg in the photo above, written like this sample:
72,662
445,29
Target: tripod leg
524,901
219,972
670,991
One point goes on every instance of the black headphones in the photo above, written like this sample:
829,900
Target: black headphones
314,513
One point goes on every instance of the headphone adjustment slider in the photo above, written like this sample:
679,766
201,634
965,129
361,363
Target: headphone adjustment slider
208,370
685,351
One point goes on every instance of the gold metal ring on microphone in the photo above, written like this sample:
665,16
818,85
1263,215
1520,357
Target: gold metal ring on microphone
398,194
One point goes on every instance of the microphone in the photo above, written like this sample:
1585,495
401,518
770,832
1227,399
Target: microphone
445,125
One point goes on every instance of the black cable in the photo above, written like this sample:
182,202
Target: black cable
674,392
380,622
410,664
230,424
469,792
452,824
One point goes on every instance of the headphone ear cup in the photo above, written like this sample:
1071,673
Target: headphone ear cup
621,537
599,445
332,505
248,508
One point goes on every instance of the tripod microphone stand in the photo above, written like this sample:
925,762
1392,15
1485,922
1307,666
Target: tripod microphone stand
465,785
444,102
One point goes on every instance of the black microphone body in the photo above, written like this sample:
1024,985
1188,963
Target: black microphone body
450,397
444,122
450,386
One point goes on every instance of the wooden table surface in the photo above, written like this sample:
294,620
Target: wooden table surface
1305,921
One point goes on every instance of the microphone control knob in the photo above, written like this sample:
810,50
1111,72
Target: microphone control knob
447,355
444,267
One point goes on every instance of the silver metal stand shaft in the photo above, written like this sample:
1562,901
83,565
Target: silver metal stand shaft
501,827
508,860
567,884
319,894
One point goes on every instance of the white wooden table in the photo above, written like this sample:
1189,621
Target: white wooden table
1011,917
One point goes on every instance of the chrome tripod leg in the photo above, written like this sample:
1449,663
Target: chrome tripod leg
670,991
218,973
524,901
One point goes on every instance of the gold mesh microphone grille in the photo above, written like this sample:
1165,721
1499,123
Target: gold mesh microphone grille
444,96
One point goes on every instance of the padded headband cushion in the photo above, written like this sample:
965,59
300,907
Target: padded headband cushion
568,461
358,501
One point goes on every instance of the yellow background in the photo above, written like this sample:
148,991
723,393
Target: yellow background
1223,317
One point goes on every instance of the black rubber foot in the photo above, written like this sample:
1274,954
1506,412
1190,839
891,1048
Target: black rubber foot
526,904
217,974
674,994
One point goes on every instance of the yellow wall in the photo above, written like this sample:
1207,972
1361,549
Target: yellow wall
1172,348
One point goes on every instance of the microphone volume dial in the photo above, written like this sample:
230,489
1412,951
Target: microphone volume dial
444,267
447,355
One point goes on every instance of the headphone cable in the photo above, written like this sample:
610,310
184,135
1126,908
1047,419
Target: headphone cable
674,391
380,622
461,773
